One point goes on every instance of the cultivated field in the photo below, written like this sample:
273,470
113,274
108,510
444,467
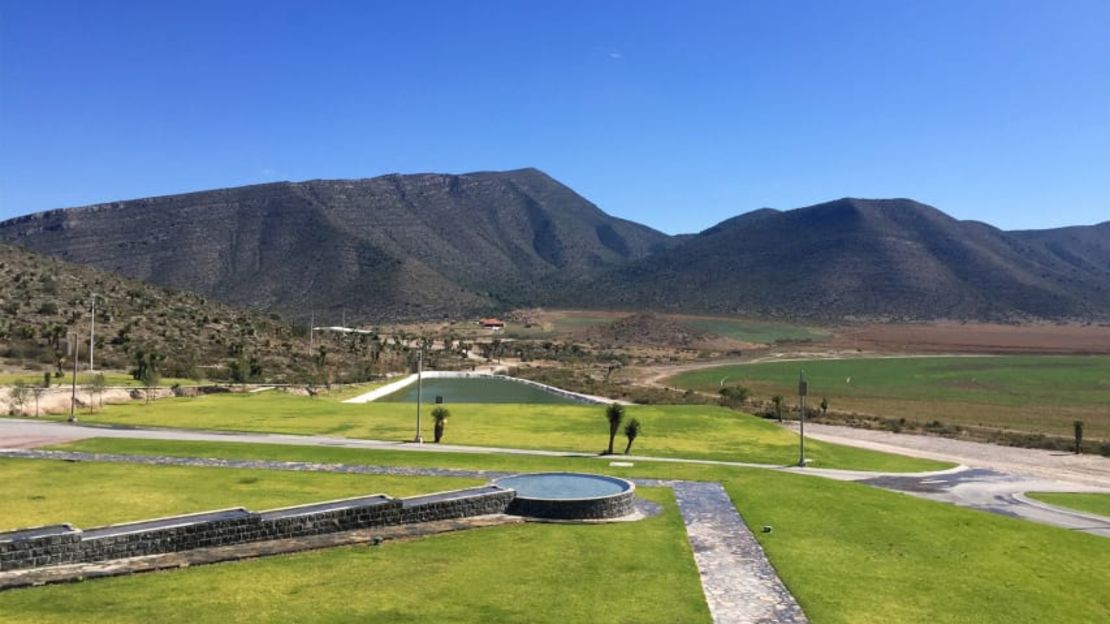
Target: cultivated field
1041,394
976,338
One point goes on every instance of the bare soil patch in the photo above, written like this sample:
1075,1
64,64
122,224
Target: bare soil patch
976,338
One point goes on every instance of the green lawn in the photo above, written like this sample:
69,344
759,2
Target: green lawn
1043,394
754,331
1088,502
702,432
641,572
87,494
849,552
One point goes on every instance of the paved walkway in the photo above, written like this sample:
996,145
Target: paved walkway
740,585
739,582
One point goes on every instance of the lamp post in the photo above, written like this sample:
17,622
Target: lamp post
92,332
73,387
419,391
802,391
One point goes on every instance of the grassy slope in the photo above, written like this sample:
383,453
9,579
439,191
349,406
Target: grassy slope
850,553
37,492
1042,394
703,432
1088,502
523,573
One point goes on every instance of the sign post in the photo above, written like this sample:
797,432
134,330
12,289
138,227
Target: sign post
802,391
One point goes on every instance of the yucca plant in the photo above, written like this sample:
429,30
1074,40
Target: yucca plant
631,431
614,414
440,414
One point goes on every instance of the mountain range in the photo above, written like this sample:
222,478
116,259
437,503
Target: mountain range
432,245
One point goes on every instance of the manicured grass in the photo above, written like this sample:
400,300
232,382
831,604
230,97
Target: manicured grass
754,331
697,431
850,553
1088,502
859,555
641,572
87,494
1043,394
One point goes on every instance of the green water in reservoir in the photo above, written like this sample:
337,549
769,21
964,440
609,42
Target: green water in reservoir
477,390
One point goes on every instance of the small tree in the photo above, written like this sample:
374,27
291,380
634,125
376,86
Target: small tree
97,387
734,396
440,414
824,406
45,379
614,414
150,378
631,431
37,391
19,394
1078,436
777,400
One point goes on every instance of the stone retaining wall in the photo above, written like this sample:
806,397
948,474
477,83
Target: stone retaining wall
62,544
601,508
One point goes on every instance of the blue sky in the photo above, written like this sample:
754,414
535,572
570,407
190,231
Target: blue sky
676,114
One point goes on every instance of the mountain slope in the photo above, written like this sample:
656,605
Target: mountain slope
888,259
43,301
399,246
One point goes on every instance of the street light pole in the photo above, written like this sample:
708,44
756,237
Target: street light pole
92,332
419,391
73,387
802,391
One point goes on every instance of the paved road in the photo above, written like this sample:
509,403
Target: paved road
996,491
1092,470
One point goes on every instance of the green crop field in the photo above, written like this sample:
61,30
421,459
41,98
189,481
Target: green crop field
1042,394
1088,502
697,431
850,553
754,331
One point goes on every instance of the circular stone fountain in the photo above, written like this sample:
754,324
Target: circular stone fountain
569,495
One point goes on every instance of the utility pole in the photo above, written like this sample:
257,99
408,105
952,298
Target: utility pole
73,387
92,332
311,332
419,390
802,391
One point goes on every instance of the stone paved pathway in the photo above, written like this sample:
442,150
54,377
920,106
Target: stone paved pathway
740,585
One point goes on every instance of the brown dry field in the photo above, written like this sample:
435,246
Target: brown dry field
975,338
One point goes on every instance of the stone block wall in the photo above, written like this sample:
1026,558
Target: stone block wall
62,544
40,546
603,508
